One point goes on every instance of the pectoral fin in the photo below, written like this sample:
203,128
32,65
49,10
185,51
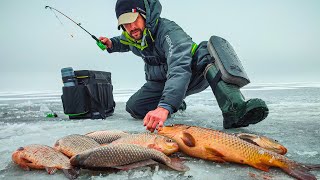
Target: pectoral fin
262,167
188,139
25,167
154,146
214,155
178,165
51,170
136,165
71,173
24,164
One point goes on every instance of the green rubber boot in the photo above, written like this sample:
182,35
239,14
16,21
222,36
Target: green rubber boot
235,110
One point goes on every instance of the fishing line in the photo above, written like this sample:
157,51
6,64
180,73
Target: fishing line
55,14
99,43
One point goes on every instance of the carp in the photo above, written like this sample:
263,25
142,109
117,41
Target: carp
37,156
106,136
221,147
74,144
124,157
264,142
150,140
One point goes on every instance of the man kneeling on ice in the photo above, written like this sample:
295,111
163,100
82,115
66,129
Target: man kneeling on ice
176,67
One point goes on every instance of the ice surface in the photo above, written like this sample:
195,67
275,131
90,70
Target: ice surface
294,121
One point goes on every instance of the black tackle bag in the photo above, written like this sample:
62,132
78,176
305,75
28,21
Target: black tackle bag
91,97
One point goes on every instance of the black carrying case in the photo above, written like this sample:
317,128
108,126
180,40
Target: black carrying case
91,97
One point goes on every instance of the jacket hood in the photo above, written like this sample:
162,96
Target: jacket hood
153,11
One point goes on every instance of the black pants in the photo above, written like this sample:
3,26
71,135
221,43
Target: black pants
148,97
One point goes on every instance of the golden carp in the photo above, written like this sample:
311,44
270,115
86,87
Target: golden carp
148,140
106,136
124,157
222,147
74,144
37,156
264,142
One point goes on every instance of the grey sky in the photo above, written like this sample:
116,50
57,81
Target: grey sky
277,41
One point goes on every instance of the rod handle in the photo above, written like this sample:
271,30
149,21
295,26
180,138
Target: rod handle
99,43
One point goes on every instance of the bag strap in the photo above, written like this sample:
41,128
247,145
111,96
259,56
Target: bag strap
99,105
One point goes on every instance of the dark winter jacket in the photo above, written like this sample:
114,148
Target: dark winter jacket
167,52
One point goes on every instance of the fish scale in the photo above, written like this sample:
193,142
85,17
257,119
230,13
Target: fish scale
222,147
36,156
115,155
150,140
106,136
246,149
45,156
121,154
75,144
263,142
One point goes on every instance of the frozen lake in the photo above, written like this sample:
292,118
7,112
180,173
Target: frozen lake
294,120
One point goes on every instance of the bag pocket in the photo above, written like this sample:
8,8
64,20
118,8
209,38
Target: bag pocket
101,97
74,100
110,104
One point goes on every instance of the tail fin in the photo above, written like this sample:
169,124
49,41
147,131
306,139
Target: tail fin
312,166
300,171
177,164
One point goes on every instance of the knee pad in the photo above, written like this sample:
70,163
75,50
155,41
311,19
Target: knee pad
227,62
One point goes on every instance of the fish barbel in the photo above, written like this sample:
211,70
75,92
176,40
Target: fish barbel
74,144
123,156
106,136
221,147
36,156
150,140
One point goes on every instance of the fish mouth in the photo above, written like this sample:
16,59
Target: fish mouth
160,129
284,150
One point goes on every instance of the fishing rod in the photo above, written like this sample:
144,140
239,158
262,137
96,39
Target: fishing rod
99,43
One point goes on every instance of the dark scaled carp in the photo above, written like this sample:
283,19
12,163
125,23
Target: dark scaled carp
124,157
221,147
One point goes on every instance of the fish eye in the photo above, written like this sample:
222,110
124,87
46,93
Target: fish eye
171,125
169,140
276,140
56,144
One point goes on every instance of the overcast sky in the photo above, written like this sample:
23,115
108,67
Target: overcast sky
276,40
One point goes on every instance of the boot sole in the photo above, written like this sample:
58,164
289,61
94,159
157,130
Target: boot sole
254,114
